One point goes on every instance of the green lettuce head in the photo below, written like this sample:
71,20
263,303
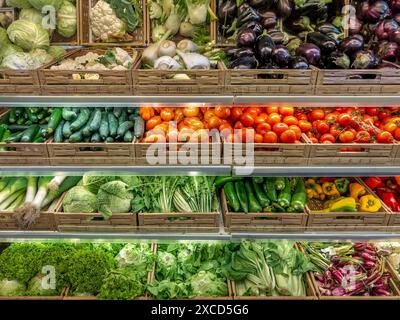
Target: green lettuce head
21,4
79,199
32,15
39,4
4,41
66,20
28,35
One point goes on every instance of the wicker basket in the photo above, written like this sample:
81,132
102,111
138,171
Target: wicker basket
86,36
161,82
229,297
267,153
262,222
93,222
91,154
347,221
61,82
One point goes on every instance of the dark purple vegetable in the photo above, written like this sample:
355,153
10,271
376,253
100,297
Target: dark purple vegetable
316,10
324,42
284,8
388,51
277,36
268,19
300,63
247,14
255,26
355,26
299,24
395,5
395,36
261,3
246,62
373,11
328,28
310,51
281,56
226,12
264,47
240,52
352,44
396,17
246,38
385,28
365,59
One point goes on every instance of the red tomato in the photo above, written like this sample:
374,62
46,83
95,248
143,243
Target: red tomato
222,112
236,113
280,127
323,127
363,137
263,128
300,115
397,134
335,130
248,135
372,111
272,110
327,137
258,138
331,117
254,111
290,120
274,118
270,137
263,117
146,113
209,114
247,119
191,111
304,125
384,137
344,119
225,129
346,136
297,130
317,114
167,114
314,140
238,125
390,126
288,136
214,122
286,111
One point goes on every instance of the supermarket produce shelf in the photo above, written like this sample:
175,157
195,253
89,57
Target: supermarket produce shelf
11,236
95,101
212,170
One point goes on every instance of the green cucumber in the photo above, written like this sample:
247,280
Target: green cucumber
16,127
6,135
113,124
110,139
86,129
15,137
269,188
95,138
76,137
123,117
58,134
29,134
67,132
117,112
128,137
254,205
123,128
3,129
139,129
54,120
242,196
260,194
104,129
231,196
69,114
12,118
82,119
94,125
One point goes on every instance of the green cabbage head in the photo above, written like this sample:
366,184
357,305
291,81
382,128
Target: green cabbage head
93,182
79,200
28,35
4,41
114,197
56,52
39,4
21,4
32,15
19,61
66,20
40,57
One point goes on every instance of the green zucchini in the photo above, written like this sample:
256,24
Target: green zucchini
254,205
231,196
82,119
95,138
29,134
260,194
269,188
21,121
242,195
123,117
86,129
139,128
117,112
4,119
128,137
96,121
104,128
15,137
31,116
12,118
69,114
17,127
67,129
123,128
76,137
19,112
39,139
58,134
6,135
112,124
3,129
54,120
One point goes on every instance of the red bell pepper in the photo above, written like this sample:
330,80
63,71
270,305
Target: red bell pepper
374,182
397,179
326,179
390,200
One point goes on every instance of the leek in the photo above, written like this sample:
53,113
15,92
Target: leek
5,204
67,184
13,186
3,183
56,182
17,203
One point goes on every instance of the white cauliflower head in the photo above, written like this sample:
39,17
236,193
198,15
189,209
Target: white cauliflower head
104,22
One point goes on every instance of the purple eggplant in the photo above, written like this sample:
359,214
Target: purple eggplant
281,56
365,59
268,19
310,51
355,26
255,26
278,36
300,63
395,36
395,5
352,44
385,28
284,8
327,27
243,63
396,17
324,42
235,53
246,38
264,47
261,3
226,12
246,14
373,11
316,10
388,51
299,24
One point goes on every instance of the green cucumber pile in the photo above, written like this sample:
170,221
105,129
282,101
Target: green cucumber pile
97,125
259,194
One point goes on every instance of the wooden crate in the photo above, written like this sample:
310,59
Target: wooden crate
267,153
61,82
262,222
118,153
347,221
93,222
86,36
152,278
19,82
347,82
173,153
362,154
270,81
161,82
396,154
45,222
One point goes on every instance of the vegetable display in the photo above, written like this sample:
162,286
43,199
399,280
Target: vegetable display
114,20
387,189
345,269
340,195
257,194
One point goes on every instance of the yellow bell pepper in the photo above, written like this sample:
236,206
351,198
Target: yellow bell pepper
369,203
347,204
356,190
329,188
329,203
311,184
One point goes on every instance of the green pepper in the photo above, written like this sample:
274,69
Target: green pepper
258,179
268,209
342,185
277,208
269,188
299,198
254,205
242,195
293,183
220,181
279,183
231,196
260,194
285,195
3,129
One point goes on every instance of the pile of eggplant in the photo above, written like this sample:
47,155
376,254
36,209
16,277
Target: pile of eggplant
295,34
